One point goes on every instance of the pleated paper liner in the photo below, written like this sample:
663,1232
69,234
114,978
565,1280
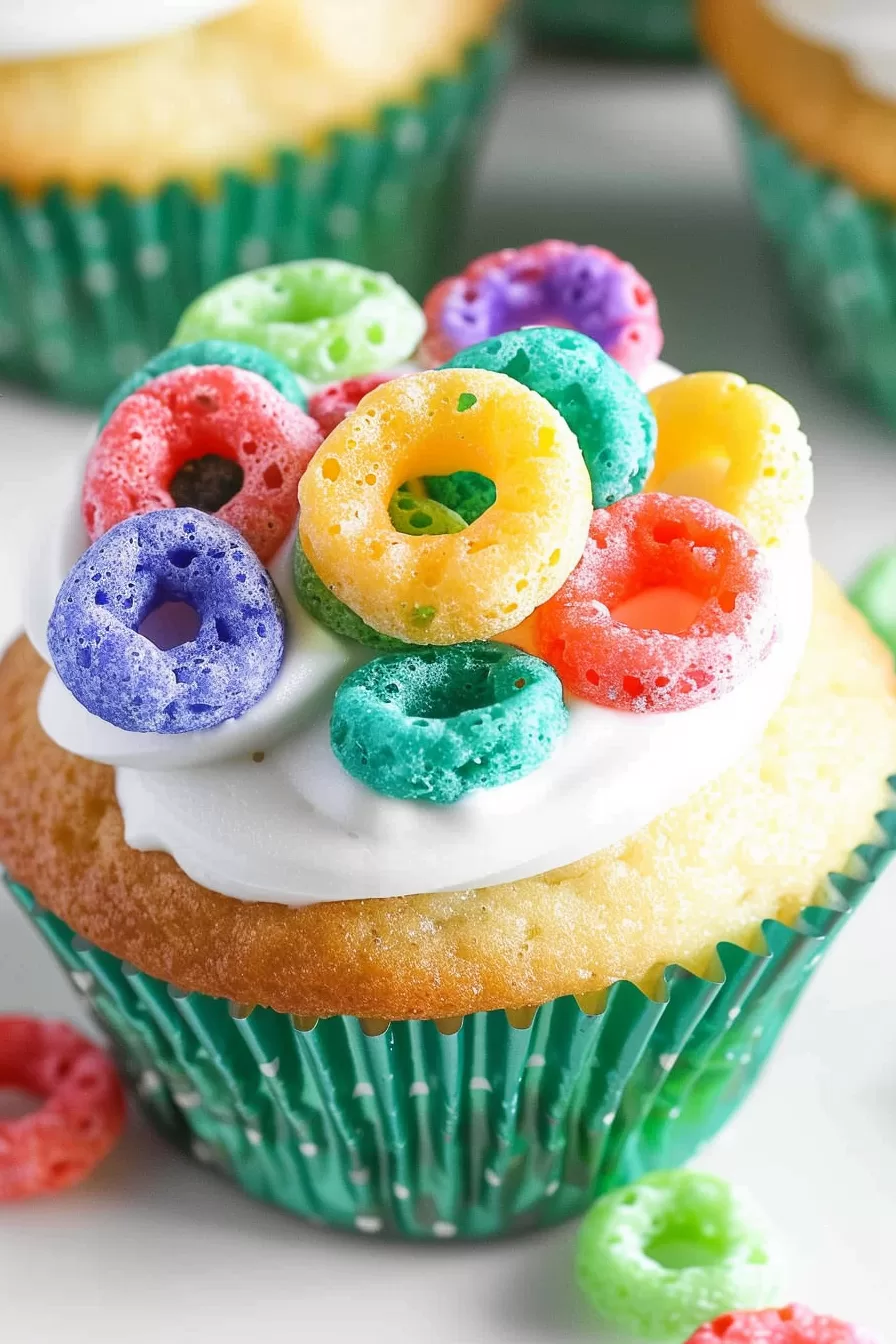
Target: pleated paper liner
642,28
475,1127
837,249
91,288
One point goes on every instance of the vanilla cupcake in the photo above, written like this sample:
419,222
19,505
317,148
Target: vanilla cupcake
445,872
150,151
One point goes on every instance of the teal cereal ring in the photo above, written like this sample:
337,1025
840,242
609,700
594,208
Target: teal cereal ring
328,611
602,404
660,1257
436,723
325,320
200,354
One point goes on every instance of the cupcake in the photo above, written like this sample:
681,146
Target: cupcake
215,136
660,28
815,85
434,866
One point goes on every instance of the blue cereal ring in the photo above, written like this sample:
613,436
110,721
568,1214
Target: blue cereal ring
603,406
200,353
153,561
435,723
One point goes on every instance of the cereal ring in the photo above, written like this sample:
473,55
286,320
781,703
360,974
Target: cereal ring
603,406
216,438
786,1325
661,1256
323,319
671,605
167,624
465,493
735,444
874,593
437,723
549,284
418,517
327,610
201,353
331,404
445,589
82,1115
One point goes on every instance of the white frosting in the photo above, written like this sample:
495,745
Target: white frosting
295,828
864,31
33,28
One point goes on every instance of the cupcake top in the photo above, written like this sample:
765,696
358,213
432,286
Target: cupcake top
516,623
228,92
60,28
864,31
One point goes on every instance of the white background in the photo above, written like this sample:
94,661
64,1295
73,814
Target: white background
153,1248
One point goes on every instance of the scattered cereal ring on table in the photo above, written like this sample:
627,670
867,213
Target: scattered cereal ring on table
327,610
735,444
548,284
783,1325
82,1115
324,319
436,723
671,605
167,624
201,353
475,583
219,438
603,406
659,1257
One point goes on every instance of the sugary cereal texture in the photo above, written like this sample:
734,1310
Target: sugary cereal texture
325,320
220,632
601,403
785,1325
83,1109
436,723
476,583
552,283
326,608
417,516
219,438
200,353
658,1257
330,405
735,444
688,550
466,493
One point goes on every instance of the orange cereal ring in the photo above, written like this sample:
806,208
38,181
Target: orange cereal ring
475,583
735,444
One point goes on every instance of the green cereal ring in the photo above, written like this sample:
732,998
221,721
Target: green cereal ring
874,593
602,404
435,723
326,320
660,1257
463,492
327,609
419,517
200,353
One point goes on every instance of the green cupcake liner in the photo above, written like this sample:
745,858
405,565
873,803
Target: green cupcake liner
663,28
838,252
90,289
475,1127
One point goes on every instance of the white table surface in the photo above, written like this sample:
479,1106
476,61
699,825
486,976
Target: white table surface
153,1248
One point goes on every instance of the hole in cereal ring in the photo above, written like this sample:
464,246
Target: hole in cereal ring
206,483
665,608
170,624
16,1103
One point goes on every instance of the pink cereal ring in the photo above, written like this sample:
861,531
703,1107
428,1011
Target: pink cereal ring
217,438
331,404
82,1114
671,605
553,283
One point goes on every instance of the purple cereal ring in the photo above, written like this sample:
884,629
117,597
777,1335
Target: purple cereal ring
548,284
167,624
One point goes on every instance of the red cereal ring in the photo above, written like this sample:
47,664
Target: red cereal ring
216,438
331,404
671,605
83,1112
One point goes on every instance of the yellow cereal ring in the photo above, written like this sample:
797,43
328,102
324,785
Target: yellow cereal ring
735,444
471,584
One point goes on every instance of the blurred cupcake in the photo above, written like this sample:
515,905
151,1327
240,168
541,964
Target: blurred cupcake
149,151
456,863
816,87
661,28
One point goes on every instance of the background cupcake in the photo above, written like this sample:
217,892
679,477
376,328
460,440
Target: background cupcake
278,129
816,90
662,28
